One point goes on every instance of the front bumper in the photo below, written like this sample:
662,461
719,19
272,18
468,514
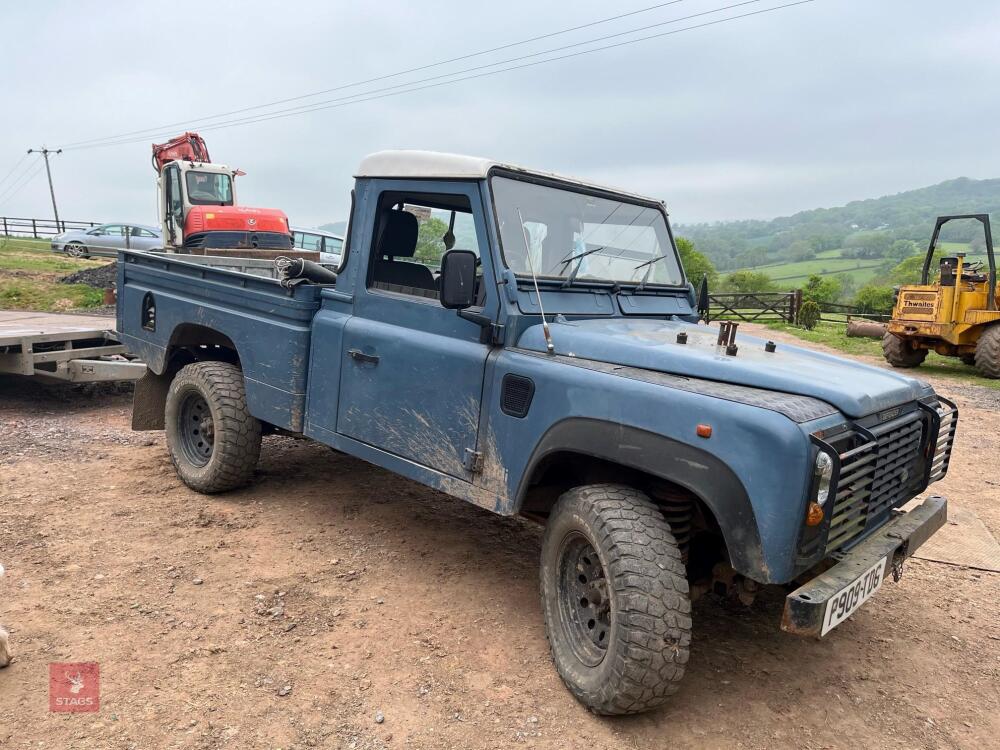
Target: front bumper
898,539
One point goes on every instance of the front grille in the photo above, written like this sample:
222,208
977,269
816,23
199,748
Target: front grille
880,467
897,475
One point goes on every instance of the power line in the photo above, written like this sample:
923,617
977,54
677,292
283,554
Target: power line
13,169
10,194
366,96
18,179
387,76
321,105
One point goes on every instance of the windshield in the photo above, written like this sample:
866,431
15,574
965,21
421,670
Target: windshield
212,188
564,234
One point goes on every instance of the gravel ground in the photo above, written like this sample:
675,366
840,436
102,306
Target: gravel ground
334,605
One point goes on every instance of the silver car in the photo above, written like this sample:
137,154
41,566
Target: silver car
327,244
107,239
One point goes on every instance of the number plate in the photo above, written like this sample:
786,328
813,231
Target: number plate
845,602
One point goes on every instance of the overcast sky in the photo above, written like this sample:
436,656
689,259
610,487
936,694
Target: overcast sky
808,106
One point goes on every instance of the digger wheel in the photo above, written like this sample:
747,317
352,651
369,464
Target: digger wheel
988,352
900,352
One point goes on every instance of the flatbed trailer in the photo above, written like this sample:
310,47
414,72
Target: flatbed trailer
64,348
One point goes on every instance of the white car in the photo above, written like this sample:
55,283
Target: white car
327,244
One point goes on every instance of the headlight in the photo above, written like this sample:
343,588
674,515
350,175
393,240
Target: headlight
824,473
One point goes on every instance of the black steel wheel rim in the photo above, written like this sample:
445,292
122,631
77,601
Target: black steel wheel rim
584,600
195,429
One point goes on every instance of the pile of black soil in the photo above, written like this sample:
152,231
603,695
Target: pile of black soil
102,277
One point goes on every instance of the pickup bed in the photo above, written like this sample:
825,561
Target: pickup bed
530,344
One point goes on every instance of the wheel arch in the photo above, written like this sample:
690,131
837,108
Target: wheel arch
614,452
189,343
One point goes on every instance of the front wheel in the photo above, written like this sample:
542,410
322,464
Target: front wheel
901,352
615,599
213,439
77,250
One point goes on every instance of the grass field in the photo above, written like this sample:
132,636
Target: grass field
795,275
29,278
838,252
832,335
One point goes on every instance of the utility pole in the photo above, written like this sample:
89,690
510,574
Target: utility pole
45,152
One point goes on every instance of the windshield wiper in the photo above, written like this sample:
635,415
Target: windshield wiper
649,267
576,269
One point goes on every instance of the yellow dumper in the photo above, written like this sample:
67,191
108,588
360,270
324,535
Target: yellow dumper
956,316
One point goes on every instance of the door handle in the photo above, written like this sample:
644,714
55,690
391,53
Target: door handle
359,356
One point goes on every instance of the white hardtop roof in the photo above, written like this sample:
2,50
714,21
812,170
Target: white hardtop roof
437,165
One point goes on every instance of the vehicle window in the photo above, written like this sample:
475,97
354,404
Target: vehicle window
412,234
175,205
333,245
140,232
209,188
114,230
309,241
559,232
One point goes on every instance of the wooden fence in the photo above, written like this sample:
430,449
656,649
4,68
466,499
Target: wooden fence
778,307
11,226
759,307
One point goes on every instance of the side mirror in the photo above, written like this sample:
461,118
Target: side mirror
458,279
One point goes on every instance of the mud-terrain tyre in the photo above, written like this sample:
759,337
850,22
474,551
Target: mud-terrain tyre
615,599
900,353
213,440
988,352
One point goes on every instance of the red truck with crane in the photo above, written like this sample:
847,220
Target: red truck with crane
196,203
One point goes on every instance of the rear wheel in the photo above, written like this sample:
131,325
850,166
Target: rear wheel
901,352
988,352
615,599
77,250
213,439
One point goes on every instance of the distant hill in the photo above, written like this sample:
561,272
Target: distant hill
904,216
337,227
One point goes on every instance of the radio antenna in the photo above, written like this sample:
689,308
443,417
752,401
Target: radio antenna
531,267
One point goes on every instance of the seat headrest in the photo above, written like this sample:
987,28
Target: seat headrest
399,235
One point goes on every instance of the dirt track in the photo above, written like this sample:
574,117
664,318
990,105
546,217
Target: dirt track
290,613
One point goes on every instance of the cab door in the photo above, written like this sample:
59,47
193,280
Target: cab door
173,207
412,371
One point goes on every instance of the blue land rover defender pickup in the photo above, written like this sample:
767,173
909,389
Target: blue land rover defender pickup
530,343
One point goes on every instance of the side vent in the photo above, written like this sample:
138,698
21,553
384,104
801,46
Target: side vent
148,312
516,393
